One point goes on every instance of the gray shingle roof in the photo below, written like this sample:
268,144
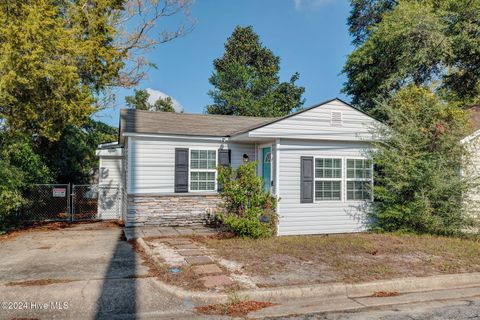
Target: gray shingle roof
139,121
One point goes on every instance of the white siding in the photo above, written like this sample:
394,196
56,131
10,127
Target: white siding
318,217
110,196
110,171
238,149
151,161
316,124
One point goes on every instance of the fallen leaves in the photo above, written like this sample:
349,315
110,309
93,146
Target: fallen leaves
383,294
39,282
237,309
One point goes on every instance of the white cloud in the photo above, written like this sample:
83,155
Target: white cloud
301,4
155,95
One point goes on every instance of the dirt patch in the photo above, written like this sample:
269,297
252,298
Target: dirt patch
382,294
39,282
350,258
237,309
100,225
9,236
59,225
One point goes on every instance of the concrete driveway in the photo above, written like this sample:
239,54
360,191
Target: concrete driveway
83,272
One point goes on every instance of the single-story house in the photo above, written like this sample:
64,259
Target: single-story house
313,160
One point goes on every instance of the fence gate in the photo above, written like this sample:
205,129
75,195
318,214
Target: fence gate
93,202
62,202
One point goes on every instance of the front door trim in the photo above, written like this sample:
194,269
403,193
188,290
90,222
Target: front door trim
260,163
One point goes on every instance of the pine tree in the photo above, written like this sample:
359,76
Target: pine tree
246,80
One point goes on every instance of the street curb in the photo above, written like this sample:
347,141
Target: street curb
333,290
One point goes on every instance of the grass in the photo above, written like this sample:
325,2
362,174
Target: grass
348,257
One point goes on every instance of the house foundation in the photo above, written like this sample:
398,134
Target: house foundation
171,210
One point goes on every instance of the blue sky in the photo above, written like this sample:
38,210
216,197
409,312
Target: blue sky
310,36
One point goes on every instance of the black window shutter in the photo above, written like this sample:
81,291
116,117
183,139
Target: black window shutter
181,170
224,160
224,157
306,179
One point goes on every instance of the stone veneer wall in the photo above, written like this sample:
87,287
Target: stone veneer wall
170,210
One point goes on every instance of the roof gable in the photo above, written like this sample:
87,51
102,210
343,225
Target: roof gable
316,123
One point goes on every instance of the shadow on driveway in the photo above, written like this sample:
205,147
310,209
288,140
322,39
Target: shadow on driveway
118,295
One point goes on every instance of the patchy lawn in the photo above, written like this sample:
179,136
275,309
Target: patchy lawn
346,258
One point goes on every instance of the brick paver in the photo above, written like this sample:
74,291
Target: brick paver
207,269
178,241
216,281
191,252
199,260
185,246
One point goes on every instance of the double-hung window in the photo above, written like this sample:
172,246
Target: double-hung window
359,179
328,179
203,172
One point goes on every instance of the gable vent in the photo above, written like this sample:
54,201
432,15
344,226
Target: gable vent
336,118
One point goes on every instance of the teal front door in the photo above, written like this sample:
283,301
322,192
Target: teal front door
266,168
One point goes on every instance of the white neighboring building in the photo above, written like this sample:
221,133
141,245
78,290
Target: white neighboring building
472,169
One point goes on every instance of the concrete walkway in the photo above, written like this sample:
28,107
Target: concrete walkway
183,252
438,304
160,232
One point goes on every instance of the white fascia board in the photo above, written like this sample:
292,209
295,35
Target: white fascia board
173,136
312,137
107,144
110,152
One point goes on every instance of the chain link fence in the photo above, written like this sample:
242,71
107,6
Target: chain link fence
62,202
90,202
47,202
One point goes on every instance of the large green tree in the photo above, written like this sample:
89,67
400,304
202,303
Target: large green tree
246,80
58,61
424,42
72,158
57,57
364,15
418,186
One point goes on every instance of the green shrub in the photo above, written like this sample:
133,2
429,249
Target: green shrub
11,181
418,185
249,211
20,167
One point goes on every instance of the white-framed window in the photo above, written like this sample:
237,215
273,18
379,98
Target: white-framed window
328,179
203,172
359,179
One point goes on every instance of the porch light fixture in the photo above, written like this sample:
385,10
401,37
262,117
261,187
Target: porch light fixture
245,158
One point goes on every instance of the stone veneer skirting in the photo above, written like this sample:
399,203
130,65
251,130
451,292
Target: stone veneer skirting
171,210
